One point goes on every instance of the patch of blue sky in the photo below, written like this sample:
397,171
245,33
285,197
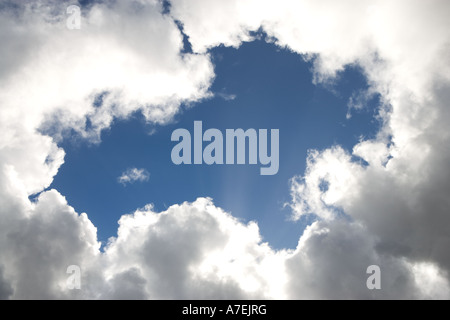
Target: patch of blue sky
257,86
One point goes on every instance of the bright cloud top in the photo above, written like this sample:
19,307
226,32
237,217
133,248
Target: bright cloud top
386,202
132,175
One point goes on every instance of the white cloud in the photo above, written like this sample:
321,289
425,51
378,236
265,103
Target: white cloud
401,196
195,250
128,52
226,96
39,241
359,101
132,175
396,208
50,78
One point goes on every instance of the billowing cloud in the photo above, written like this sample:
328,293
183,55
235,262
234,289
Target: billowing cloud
401,196
194,250
389,210
132,175
55,81
39,241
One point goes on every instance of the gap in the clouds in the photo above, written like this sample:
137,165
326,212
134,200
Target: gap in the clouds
187,47
165,6
257,86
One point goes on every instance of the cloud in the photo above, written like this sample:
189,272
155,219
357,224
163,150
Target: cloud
132,175
390,209
359,101
226,96
194,250
125,58
39,241
6,289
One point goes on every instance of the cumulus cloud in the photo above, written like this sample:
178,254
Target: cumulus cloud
126,58
389,210
194,250
401,196
132,175
39,241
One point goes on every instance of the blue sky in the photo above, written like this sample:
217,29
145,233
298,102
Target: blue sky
372,101
272,88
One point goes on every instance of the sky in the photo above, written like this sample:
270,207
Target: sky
359,96
248,93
